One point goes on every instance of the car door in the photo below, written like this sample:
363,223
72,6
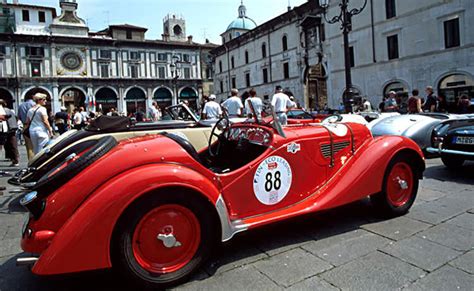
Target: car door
281,177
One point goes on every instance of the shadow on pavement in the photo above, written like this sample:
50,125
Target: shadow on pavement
280,237
14,205
243,249
464,174
14,278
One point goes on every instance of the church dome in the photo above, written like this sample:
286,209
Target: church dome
242,22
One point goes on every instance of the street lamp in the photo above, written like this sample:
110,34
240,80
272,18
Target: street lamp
175,67
345,18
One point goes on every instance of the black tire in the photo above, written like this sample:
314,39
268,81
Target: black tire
452,162
49,182
37,174
384,201
78,135
124,258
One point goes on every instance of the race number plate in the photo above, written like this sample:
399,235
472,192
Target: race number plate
463,140
272,180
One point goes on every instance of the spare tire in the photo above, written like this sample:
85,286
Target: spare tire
44,168
74,164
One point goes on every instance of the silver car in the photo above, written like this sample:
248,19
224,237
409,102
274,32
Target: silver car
418,127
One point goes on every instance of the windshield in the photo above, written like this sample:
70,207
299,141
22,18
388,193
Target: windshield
181,112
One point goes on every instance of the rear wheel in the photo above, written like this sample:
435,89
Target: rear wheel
161,240
399,189
452,162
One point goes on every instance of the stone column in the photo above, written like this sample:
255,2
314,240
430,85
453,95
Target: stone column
90,94
122,106
149,98
54,61
55,104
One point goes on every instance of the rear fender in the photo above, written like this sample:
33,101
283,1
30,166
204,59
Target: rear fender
83,243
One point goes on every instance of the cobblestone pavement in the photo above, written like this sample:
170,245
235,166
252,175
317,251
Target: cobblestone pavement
349,248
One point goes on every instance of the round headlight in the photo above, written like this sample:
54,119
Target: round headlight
28,198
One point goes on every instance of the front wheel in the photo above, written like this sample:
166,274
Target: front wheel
399,188
161,240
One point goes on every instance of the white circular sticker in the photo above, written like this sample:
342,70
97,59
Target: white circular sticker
272,180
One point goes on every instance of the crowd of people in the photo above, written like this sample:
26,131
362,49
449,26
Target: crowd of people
417,104
35,127
241,106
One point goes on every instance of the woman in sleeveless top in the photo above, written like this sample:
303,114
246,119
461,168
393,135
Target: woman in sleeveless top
40,129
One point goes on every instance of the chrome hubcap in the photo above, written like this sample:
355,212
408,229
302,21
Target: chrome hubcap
169,240
403,184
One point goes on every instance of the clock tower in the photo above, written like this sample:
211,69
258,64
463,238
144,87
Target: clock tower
174,28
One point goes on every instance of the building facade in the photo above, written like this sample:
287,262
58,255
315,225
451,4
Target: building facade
116,67
402,45
283,51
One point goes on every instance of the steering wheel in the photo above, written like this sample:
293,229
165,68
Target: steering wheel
223,124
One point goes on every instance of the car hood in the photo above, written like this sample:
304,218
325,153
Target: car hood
398,125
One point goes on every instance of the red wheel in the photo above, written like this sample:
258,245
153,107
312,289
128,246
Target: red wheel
163,237
399,189
399,184
166,239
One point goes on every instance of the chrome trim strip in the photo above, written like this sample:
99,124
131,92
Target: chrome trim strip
26,261
446,151
229,228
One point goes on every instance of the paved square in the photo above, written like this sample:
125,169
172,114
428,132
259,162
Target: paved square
376,271
421,253
344,248
292,267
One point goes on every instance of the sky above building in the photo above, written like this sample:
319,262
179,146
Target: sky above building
204,18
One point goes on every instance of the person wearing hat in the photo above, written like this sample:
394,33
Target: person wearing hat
281,103
212,109
37,118
61,119
391,102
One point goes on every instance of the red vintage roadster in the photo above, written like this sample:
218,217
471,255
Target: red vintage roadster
153,207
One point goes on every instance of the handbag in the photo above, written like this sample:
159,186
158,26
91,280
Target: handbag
26,128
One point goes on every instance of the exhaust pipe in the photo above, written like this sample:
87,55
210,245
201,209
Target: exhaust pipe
28,261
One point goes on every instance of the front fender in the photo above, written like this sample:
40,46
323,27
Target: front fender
83,243
364,175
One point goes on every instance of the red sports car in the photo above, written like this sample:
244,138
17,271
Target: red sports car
297,116
153,207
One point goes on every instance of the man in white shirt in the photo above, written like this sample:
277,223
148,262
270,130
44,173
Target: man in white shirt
85,116
233,104
212,109
77,119
367,105
281,103
257,104
153,113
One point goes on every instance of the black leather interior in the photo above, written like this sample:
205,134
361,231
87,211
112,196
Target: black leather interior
185,144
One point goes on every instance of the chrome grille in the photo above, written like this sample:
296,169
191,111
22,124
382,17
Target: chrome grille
338,146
